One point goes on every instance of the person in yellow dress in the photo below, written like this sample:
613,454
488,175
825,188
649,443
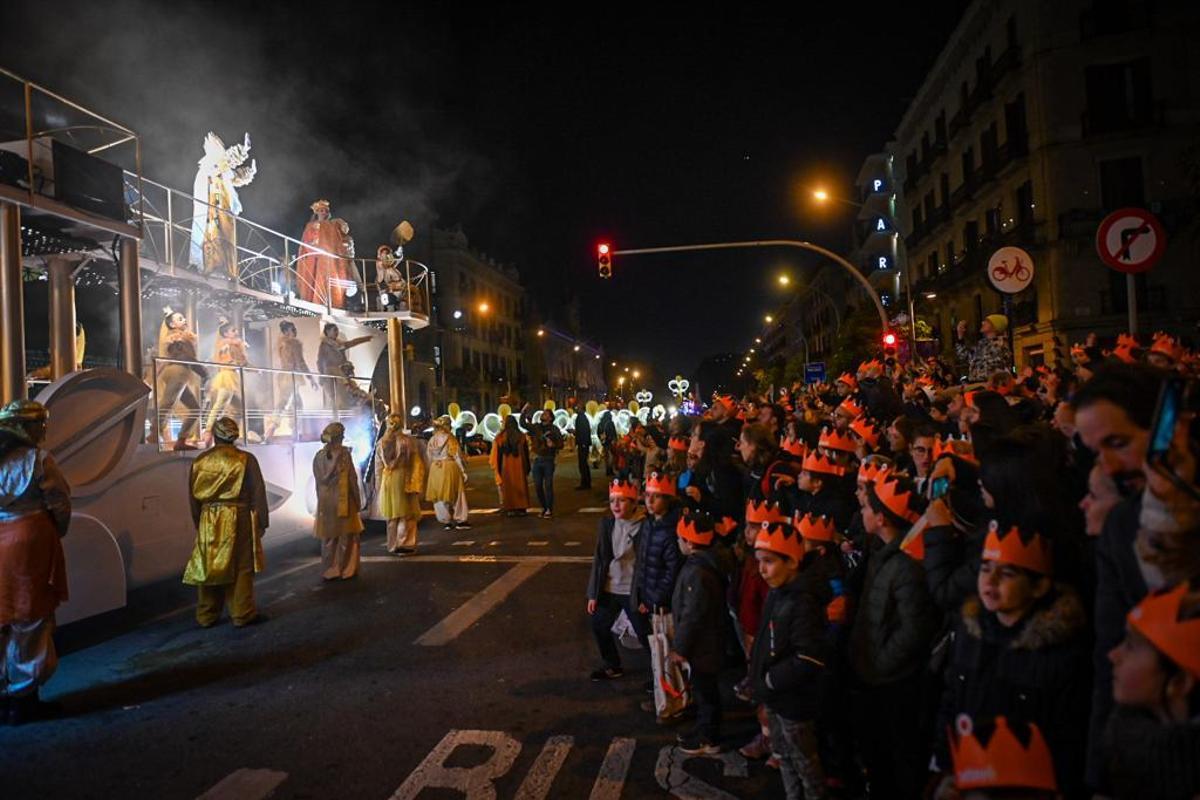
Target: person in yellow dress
400,471
447,477
226,385
338,523
229,508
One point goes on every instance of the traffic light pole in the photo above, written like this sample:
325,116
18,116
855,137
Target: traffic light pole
843,263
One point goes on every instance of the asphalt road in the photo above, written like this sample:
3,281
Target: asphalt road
463,666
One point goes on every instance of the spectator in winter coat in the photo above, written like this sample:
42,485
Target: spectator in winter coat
790,657
821,491
699,608
610,586
890,642
1020,650
765,464
1152,742
990,354
658,559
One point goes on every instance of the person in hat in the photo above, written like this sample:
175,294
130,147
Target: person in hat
229,508
338,522
510,464
698,605
789,658
400,471
1020,645
446,488
324,268
610,585
35,513
990,354
890,642
1152,739
1013,762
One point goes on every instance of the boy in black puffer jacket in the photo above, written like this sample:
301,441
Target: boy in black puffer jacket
790,655
699,608
658,558
1021,650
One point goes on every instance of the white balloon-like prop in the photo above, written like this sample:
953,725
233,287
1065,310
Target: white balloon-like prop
644,397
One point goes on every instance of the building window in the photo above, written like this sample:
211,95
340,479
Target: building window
949,255
971,236
968,165
1025,203
991,221
1122,183
931,267
944,183
939,128
1015,129
1119,96
1010,31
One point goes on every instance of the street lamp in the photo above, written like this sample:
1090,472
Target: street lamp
757,340
768,319
820,195
483,307
636,374
576,348
457,313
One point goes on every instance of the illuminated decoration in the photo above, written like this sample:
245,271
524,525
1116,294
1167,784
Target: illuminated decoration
491,425
216,205
658,412
678,386
689,407
644,397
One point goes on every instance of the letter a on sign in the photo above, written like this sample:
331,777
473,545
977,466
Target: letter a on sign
880,225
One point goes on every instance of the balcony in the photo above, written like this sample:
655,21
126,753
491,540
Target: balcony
966,190
1151,116
959,121
1007,61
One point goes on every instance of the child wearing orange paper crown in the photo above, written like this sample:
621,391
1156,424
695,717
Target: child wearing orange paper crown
610,586
790,657
890,641
658,559
822,490
1020,648
1013,761
1152,741
698,605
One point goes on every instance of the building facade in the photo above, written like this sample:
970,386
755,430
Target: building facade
1036,121
565,367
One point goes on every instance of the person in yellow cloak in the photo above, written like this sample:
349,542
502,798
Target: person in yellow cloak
400,469
338,523
229,507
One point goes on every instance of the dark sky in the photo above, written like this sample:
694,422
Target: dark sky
539,130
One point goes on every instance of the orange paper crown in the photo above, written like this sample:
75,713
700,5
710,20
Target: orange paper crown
1126,345
660,483
866,430
725,400
834,440
725,526
622,488
961,448
678,444
760,511
897,496
695,528
1157,618
1009,548
1167,346
867,366
780,538
869,471
814,528
849,380
1004,763
822,465
795,447
851,408
1078,354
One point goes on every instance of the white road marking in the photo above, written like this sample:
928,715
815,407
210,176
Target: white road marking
246,784
475,783
614,770
493,544
593,510
471,611
540,543
572,544
463,543
537,782
477,559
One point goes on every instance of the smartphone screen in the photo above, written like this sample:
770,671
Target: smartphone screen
1165,417
939,487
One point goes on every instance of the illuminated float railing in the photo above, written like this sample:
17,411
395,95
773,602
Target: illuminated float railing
267,261
271,405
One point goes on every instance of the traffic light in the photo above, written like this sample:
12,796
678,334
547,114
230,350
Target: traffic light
889,343
604,261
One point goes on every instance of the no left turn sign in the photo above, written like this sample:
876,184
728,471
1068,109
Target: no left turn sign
1131,240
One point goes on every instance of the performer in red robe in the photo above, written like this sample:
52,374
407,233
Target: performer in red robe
315,268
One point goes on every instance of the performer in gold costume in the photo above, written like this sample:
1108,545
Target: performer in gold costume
178,384
287,387
35,510
226,386
325,265
229,507
43,373
400,471
338,523
216,204
446,488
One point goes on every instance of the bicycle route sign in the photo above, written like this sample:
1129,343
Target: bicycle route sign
1010,269
1130,240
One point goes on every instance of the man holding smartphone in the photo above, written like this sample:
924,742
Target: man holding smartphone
545,440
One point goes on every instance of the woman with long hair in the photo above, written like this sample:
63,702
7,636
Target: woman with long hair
510,464
226,385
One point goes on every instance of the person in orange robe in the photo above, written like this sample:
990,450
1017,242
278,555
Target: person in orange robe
35,510
327,253
510,464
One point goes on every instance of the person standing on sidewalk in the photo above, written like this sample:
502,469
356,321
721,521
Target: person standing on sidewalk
338,522
583,447
610,586
35,510
546,440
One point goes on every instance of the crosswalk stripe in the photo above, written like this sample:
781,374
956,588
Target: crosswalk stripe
471,611
463,543
477,559
246,784
572,544
539,543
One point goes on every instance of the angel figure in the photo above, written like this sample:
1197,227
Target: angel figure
216,205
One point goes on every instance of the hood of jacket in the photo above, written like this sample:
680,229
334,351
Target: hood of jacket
1056,619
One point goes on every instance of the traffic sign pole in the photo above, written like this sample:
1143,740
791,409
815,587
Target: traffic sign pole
1131,240
1131,300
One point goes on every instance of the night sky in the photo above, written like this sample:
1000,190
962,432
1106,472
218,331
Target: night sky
541,133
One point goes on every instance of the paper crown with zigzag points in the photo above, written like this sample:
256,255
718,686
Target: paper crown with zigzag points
1004,763
1029,551
780,538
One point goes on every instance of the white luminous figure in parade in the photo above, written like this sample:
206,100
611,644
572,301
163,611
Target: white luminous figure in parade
323,270
216,205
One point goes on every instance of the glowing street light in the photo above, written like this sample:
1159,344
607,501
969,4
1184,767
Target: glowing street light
820,195
768,319
757,340
457,313
483,307
636,374
621,381
613,364
576,348
784,280
541,332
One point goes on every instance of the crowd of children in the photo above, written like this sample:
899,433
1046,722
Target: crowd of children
923,587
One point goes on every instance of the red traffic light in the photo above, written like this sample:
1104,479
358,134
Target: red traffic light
604,260
889,339
603,248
